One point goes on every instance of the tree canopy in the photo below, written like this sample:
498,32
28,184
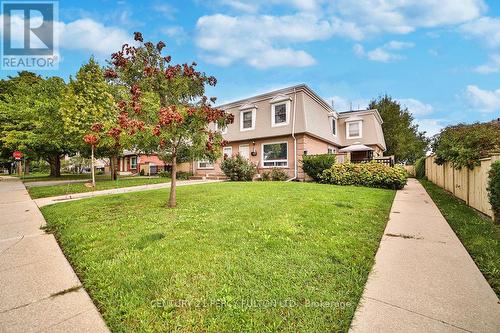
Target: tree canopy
166,105
31,120
464,145
402,137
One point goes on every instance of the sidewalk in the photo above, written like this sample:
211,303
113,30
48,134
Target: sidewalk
423,279
76,196
39,291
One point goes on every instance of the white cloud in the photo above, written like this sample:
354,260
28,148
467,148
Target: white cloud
416,107
430,126
82,34
345,104
405,16
258,40
166,10
486,29
224,39
382,53
177,33
483,100
492,66
87,34
253,6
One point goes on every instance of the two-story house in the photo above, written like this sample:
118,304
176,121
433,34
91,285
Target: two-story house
275,129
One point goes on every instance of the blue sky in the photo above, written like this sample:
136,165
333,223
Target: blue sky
439,58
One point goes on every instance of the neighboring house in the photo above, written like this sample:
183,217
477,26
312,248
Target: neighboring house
132,163
275,129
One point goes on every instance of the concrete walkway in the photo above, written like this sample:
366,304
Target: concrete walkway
423,279
39,290
76,196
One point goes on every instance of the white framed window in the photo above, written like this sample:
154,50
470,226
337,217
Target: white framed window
354,129
275,155
280,113
133,162
331,150
247,119
244,151
334,126
205,164
227,152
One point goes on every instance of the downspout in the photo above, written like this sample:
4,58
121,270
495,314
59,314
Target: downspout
295,174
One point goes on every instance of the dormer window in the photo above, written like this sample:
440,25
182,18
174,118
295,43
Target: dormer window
247,120
247,117
280,110
279,114
354,129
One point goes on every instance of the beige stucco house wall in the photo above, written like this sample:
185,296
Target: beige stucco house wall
295,116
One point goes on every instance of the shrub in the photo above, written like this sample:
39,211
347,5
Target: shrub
164,174
238,168
278,175
265,176
420,168
314,165
371,174
494,189
141,172
464,145
183,175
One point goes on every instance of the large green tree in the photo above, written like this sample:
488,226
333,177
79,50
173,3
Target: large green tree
31,118
91,100
167,101
402,137
465,144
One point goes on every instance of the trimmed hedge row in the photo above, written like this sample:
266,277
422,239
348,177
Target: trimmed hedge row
371,174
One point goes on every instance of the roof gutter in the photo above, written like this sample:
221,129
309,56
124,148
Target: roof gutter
295,173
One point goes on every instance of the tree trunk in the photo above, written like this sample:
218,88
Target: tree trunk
113,167
55,165
27,164
172,201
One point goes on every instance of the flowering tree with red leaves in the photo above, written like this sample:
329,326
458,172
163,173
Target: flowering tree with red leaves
166,104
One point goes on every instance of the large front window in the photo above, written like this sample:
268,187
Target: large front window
275,154
133,162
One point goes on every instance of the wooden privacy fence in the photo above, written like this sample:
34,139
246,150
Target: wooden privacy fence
468,185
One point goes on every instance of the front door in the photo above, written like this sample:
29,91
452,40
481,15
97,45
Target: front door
245,151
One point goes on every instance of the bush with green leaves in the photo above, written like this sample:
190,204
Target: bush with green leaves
183,175
494,189
164,174
238,168
275,174
371,174
464,145
314,165
420,168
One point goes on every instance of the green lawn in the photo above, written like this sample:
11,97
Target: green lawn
477,233
37,176
54,190
232,257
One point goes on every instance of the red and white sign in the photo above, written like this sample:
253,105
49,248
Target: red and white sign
17,155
